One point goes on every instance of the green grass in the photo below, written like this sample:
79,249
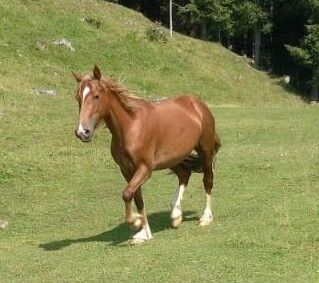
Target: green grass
62,198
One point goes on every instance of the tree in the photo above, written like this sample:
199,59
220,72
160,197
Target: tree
210,15
257,28
307,53
171,18
229,18
251,17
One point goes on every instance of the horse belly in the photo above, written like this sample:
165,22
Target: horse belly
175,143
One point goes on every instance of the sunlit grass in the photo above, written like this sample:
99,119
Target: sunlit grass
62,198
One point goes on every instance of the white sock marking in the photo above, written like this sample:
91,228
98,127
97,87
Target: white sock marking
176,202
144,234
207,216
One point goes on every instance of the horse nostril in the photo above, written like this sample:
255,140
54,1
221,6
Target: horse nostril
86,131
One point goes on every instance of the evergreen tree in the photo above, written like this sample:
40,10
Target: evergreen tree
229,18
307,54
251,17
213,16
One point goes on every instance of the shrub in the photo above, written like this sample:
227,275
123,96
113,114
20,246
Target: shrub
156,33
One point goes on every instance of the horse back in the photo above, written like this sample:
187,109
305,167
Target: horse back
177,127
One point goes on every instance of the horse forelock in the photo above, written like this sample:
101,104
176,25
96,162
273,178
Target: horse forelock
127,99
84,88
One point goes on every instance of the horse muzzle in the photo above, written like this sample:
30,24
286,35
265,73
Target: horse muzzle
84,135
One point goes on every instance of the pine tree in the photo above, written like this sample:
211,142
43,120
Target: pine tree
307,53
211,15
251,17
229,18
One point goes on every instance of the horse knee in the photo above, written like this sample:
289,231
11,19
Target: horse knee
127,195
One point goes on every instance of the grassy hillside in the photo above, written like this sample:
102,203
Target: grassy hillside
120,46
62,198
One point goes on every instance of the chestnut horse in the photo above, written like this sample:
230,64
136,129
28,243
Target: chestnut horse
149,136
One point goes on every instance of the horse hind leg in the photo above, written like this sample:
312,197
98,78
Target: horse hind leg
208,177
207,149
183,175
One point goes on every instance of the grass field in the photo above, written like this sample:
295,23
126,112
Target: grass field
62,198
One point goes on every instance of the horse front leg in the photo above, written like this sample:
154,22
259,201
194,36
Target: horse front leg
133,219
140,220
133,190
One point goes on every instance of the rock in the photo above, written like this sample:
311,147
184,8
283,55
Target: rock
40,45
3,224
286,79
49,92
64,42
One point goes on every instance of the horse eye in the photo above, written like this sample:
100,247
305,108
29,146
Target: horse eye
96,96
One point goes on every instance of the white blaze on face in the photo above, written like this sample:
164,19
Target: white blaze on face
81,129
86,91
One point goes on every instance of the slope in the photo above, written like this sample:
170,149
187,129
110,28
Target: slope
115,38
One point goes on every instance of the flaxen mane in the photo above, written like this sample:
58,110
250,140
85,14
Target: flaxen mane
129,101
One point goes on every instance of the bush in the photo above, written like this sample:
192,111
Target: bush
93,22
156,33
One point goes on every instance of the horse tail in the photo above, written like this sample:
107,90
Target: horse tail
216,148
193,161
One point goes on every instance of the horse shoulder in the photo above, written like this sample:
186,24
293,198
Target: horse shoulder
138,140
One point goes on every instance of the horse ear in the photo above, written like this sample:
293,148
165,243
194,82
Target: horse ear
96,73
77,77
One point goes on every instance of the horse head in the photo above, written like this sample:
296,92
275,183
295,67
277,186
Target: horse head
93,101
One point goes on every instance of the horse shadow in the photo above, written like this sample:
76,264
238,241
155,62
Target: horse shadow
117,236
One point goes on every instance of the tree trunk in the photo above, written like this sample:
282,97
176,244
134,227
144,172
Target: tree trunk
245,45
256,49
203,31
314,94
314,97
193,32
171,18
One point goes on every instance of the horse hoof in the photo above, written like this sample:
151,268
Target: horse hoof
205,222
136,224
176,221
137,241
142,236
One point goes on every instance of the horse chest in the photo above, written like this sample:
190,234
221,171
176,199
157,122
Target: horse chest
121,155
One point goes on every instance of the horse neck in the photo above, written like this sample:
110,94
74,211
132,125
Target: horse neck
119,119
